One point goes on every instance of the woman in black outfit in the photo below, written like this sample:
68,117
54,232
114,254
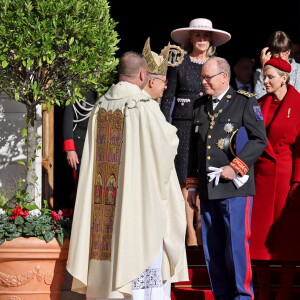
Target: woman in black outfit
199,40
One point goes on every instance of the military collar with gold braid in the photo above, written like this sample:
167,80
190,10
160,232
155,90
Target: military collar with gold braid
215,115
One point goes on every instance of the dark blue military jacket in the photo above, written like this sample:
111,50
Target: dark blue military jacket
78,135
235,109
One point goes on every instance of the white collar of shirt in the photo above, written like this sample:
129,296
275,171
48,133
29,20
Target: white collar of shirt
221,96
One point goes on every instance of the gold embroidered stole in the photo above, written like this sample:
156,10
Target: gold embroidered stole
107,160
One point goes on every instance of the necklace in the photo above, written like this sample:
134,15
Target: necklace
213,117
200,62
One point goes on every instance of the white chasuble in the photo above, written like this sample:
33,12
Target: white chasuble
129,202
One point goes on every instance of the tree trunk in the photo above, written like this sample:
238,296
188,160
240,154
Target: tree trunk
48,156
31,151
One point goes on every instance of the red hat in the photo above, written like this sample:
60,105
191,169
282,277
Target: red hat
280,64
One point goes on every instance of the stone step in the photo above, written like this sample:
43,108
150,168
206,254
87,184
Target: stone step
188,293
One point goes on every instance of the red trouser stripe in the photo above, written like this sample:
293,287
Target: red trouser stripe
247,236
75,177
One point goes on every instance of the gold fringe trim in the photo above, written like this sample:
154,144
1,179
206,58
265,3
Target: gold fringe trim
192,182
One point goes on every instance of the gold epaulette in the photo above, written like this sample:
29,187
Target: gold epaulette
247,94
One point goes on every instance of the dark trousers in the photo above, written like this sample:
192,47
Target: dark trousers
226,231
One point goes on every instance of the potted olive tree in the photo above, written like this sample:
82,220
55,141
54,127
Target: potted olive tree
51,53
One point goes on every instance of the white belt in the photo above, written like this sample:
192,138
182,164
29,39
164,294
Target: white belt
183,100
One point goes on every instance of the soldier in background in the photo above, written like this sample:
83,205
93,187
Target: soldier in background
243,77
75,122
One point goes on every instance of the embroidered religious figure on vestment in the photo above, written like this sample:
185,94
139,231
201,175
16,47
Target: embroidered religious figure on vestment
107,153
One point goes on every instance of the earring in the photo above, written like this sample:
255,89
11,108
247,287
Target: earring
282,83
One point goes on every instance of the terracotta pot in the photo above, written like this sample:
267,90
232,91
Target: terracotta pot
32,269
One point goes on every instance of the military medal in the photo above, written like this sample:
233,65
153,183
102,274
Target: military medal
221,143
228,127
213,117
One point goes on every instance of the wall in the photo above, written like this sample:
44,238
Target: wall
12,147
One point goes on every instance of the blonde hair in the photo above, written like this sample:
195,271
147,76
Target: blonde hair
280,72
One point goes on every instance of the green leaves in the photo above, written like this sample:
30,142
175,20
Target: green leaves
24,132
17,96
21,217
55,50
52,52
71,41
43,227
19,221
60,238
48,236
10,228
4,64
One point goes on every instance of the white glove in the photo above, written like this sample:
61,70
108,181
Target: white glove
240,180
216,172
214,175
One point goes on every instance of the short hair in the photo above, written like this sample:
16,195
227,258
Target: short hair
153,75
150,76
279,41
222,65
280,72
131,63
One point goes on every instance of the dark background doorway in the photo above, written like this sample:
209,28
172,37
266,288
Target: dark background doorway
249,22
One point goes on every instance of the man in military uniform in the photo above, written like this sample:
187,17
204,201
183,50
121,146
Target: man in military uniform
75,122
225,205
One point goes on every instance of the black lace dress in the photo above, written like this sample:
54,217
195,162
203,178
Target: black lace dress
184,86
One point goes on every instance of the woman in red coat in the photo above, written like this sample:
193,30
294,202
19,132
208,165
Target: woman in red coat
277,176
